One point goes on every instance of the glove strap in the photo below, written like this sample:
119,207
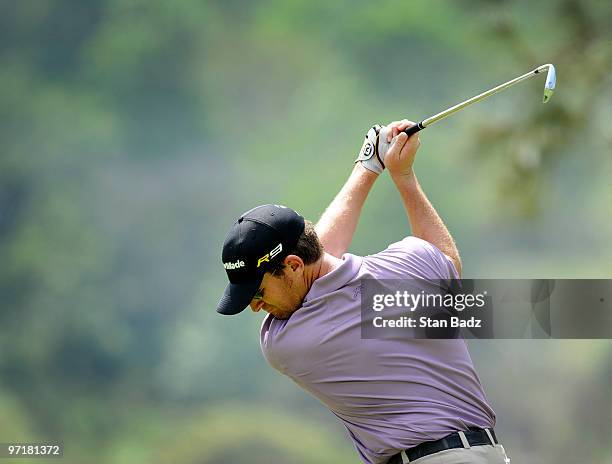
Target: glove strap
368,155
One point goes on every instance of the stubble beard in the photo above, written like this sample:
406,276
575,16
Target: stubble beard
293,306
286,313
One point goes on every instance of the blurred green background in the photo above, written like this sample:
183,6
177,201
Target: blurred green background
132,134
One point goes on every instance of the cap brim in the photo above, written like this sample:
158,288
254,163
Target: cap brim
237,297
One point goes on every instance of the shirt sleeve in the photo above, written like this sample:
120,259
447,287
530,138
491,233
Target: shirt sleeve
412,258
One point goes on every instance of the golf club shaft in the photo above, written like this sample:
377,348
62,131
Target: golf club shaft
453,109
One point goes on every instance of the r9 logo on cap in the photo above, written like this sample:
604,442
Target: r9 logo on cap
268,256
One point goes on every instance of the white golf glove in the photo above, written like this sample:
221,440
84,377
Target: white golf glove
374,149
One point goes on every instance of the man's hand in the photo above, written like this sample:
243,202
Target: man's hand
395,127
376,144
402,151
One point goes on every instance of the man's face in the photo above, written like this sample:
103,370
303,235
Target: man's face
281,295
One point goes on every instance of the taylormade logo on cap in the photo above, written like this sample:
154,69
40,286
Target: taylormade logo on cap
235,265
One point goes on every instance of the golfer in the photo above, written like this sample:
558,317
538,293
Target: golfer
402,399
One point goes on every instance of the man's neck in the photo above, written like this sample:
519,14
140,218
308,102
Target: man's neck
323,266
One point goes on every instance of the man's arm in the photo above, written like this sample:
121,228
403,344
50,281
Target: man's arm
425,222
337,225
339,221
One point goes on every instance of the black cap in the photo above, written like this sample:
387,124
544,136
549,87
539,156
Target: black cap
259,240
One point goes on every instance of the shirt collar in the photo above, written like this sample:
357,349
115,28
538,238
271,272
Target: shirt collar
336,279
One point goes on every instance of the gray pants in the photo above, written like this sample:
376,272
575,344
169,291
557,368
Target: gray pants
484,454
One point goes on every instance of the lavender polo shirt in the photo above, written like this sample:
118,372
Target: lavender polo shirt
390,394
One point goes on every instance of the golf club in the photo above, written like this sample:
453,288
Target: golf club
549,86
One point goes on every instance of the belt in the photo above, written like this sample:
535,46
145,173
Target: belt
473,437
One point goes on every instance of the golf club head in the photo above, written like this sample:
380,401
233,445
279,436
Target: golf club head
551,80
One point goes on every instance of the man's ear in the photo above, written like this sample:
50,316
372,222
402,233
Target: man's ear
294,262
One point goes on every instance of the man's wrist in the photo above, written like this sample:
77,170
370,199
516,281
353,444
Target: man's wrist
405,179
364,172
